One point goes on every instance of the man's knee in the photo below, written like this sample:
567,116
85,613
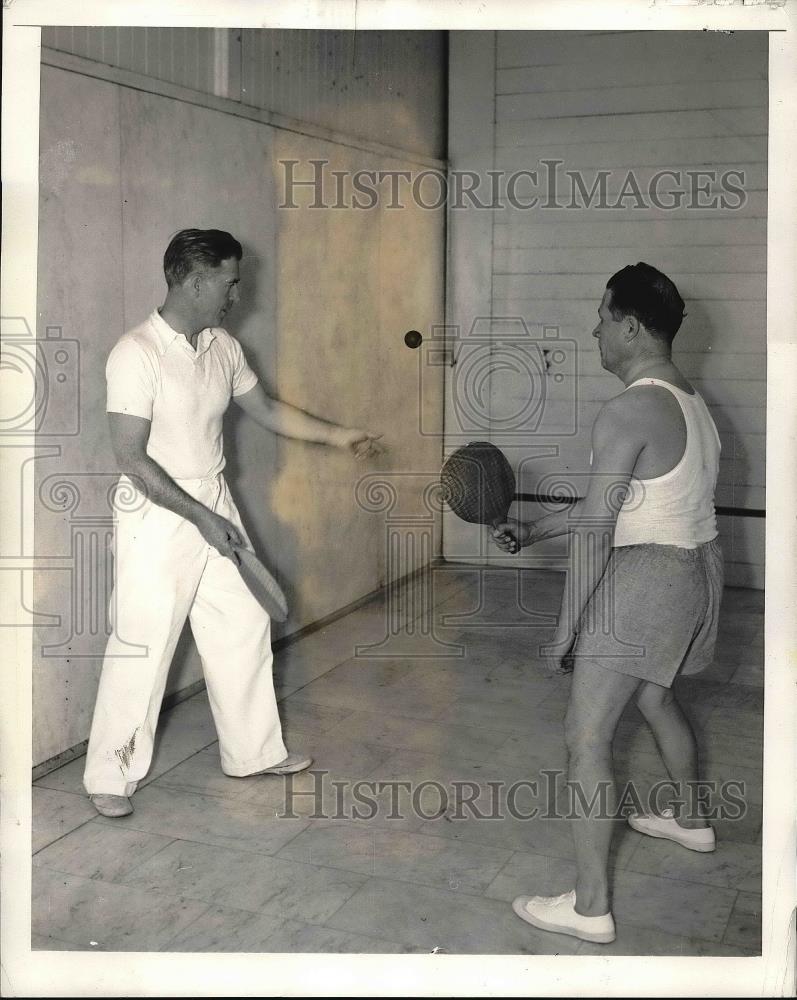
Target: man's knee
653,698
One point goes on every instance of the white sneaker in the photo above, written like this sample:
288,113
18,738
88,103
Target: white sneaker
666,828
558,914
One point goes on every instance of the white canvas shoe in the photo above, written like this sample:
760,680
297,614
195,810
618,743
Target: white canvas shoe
292,764
558,914
666,828
112,806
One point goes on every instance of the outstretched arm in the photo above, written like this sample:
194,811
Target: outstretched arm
289,421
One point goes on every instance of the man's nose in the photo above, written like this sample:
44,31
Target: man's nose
596,332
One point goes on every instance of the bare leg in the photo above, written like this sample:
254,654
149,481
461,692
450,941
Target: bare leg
597,699
676,741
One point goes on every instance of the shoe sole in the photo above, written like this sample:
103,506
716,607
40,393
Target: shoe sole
698,848
109,814
523,913
292,769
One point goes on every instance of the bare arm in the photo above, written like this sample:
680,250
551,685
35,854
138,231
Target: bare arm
129,437
558,522
282,418
616,445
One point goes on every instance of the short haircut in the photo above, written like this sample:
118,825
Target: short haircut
640,290
193,248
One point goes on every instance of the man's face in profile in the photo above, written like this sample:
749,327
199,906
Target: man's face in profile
608,333
219,291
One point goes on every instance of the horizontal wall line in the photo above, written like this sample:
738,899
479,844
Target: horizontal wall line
501,298
713,379
575,216
517,148
520,244
574,164
591,220
622,114
676,163
758,78
602,142
613,192
587,274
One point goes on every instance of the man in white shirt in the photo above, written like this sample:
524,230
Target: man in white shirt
170,381
641,600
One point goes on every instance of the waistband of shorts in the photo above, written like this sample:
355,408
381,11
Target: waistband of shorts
678,552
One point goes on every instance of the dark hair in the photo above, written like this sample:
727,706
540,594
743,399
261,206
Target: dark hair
640,290
197,247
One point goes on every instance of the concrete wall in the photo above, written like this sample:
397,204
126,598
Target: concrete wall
631,101
326,299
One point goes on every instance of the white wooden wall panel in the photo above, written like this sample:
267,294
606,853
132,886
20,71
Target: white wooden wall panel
634,102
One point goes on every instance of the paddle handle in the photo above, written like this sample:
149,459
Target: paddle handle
514,545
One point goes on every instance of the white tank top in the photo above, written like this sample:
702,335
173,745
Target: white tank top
678,507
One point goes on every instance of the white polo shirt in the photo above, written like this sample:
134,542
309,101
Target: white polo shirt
154,373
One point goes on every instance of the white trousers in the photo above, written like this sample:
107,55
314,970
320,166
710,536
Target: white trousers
165,571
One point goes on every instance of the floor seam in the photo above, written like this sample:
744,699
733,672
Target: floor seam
156,777
106,881
80,826
177,934
176,896
730,914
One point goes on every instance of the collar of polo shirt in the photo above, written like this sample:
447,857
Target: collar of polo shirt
166,336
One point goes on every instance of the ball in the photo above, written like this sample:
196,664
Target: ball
413,339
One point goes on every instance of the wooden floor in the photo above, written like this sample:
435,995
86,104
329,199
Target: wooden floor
211,863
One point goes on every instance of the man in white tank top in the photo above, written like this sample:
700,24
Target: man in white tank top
643,590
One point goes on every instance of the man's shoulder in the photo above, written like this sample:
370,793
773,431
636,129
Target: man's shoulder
631,411
639,399
225,339
140,341
638,412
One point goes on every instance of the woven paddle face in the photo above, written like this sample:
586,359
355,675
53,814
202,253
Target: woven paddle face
478,483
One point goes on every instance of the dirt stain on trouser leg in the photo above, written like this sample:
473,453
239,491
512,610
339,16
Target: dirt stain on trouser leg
125,753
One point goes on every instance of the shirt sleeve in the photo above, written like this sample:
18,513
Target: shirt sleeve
131,380
243,378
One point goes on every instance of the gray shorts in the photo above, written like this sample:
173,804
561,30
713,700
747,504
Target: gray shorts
654,613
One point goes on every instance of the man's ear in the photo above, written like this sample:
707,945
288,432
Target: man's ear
633,327
195,283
